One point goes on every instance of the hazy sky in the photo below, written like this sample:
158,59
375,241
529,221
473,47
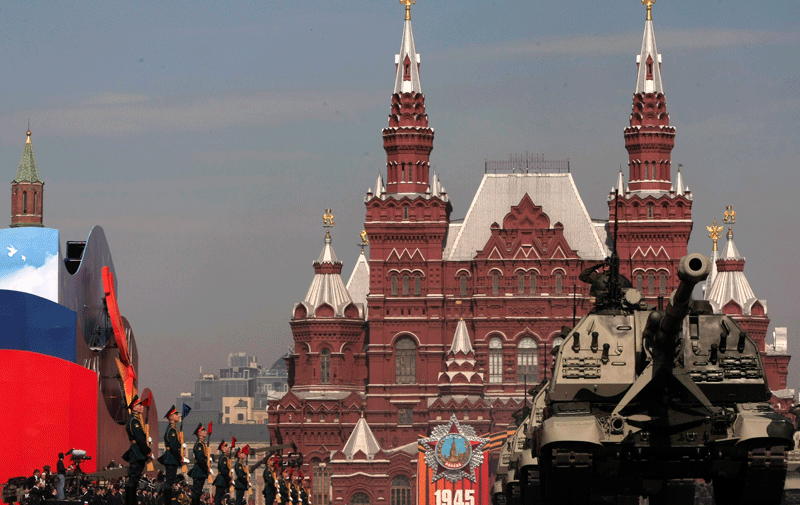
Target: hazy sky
207,138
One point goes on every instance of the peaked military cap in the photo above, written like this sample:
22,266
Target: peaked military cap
170,412
221,445
199,427
134,401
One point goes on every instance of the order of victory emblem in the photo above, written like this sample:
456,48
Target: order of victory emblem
453,451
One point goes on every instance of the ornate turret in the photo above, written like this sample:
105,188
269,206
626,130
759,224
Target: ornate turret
460,377
649,139
408,140
27,190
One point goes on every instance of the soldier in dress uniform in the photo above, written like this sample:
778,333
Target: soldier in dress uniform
240,483
302,490
199,473
139,451
270,489
283,487
171,459
222,482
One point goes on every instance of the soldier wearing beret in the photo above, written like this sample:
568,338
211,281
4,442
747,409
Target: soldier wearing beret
171,459
223,480
200,471
139,451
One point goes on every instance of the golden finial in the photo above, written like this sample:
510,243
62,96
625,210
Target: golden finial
408,4
730,215
649,4
713,234
364,240
327,219
28,141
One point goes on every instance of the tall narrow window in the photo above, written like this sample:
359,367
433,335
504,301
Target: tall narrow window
401,491
24,202
495,283
325,366
650,211
527,361
533,283
639,280
463,284
651,283
394,284
417,284
559,283
406,361
34,202
663,282
405,212
405,284
495,361
520,283
320,490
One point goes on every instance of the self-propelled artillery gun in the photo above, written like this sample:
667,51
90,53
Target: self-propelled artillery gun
640,398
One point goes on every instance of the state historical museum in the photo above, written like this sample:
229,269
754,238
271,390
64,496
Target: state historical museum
462,316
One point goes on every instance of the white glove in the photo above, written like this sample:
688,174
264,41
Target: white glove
149,440
184,445
211,471
186,460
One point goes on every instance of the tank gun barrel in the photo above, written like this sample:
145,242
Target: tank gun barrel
692,269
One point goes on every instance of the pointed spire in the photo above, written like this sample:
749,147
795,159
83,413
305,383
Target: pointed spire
407,62
679,190
362,440
620,182
649,61
27,165
730,282
379,188
461,342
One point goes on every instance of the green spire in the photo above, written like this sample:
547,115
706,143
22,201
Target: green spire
27,165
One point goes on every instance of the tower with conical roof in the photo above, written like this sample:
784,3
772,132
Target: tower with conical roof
653,212
328,329
27,190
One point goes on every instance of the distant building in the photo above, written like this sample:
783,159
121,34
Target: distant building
239,394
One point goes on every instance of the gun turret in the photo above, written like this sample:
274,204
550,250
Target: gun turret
692,269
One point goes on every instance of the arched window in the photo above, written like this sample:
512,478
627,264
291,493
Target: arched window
325,366
24,202
521,283
495,361
527,361
394,284
559,283
406,361
533,283
495,283
650,210
403,172
557,342
405,211
360,499
663,282
401,491
405,284
463,284
639,280
651,283
417,284
320,491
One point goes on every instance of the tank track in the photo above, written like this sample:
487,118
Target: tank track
761,479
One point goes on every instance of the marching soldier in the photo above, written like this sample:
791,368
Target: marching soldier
171,459
240,484
222,482
139,451
283,487
200,471
302,491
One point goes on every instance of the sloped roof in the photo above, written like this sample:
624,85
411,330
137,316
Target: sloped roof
643,85
327,286
556,193
358,284
407,49
362,440
730,283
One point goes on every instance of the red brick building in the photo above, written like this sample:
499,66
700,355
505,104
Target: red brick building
461,316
